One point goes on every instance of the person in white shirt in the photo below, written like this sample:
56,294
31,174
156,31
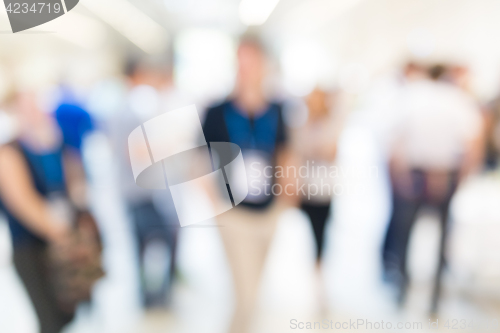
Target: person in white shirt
434,147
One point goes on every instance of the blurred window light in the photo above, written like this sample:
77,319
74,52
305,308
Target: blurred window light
256,12
131,22
305,65
205,63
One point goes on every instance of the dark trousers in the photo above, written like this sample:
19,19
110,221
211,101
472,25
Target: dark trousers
150,227
404,213
318,214
30,263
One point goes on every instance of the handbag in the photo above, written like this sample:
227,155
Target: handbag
75,265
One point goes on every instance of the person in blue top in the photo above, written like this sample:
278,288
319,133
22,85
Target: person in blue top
34,180
75,123
256,125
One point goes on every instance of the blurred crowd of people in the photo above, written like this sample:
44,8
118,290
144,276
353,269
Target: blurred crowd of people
441,134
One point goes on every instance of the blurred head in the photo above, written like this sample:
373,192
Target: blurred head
27,107
437,72
36,123
149,71
414,71
251,63
318,103
460,76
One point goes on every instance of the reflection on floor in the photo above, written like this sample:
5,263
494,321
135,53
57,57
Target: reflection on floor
202,300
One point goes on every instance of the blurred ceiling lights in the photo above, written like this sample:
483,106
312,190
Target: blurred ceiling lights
131,22
256,12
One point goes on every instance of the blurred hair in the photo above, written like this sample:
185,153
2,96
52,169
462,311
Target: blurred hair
9,100
437,72
254,40
136,63
131,66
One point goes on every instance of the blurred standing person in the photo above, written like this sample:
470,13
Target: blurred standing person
434,149
250,120
492,124
154,226
493,133
460,76
315,147
40,188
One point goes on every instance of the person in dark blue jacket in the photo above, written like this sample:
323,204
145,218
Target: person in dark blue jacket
253,122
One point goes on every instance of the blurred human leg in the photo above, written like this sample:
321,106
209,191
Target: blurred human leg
156,243
443,208
395,248
318,215
29,261
247,236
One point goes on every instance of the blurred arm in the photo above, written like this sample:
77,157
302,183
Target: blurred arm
287,157
474,153
75,179
19,195
475,127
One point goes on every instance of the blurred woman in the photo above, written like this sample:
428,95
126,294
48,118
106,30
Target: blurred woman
315,147
315,144
35,186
